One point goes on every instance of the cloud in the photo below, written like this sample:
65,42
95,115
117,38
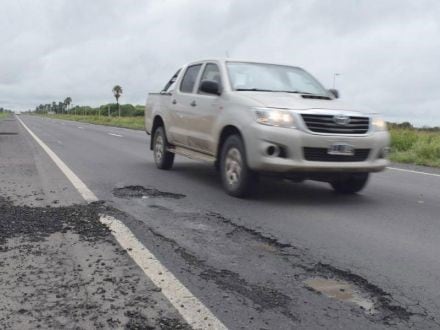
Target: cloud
386,52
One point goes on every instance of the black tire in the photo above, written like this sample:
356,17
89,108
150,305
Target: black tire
162,157
237,181
350,183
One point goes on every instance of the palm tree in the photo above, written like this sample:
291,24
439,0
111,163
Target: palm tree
67,102
117,92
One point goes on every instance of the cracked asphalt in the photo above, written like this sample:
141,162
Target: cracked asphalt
248,261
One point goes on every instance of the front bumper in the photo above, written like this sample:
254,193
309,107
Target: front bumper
259,137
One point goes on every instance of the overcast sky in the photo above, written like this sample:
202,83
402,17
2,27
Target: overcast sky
387,52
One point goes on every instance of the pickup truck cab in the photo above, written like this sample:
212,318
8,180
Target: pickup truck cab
252,118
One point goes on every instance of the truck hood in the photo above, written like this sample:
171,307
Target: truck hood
297,102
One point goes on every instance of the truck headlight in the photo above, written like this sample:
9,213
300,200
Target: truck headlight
379,124
275,117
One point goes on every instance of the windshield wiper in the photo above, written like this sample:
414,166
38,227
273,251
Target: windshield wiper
254,90
269,90
295,92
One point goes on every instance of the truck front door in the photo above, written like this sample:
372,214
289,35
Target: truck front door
204,110
181,114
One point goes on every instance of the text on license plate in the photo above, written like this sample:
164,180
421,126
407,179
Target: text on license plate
341,149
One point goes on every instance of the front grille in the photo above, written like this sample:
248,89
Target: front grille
321,155
326,124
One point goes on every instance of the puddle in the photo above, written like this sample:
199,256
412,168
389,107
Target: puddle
142,192
342,291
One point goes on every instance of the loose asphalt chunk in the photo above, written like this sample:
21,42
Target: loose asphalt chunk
61,268
142,192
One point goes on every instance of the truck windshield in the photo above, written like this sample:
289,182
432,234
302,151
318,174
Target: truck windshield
272,78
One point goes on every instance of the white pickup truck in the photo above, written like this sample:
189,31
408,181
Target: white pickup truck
252,118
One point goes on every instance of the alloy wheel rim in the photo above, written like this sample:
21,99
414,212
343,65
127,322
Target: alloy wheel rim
158,148
233,166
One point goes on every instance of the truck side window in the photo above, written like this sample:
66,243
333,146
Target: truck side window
189,79
171,83
212,73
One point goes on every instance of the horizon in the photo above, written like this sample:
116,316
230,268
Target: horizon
383,56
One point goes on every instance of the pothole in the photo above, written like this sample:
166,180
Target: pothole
342,291
142,192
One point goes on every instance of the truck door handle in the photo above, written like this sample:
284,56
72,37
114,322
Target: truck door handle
193,103
174,102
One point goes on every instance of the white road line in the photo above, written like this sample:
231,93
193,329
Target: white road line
197,315
411,171
80,127
113,134
194,312
85,192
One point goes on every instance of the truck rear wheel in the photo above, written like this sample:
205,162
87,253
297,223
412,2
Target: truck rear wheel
351,183
162,157
237,178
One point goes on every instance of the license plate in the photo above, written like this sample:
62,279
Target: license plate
341,149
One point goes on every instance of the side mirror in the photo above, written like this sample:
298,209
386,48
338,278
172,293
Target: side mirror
334,92
210,87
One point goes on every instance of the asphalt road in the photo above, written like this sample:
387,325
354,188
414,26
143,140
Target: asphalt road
249,260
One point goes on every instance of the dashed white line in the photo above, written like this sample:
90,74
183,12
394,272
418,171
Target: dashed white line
113,134
80,127
411,171
197,315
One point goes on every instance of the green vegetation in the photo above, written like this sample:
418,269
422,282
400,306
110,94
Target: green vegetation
127,122
117,92
415,146
4,113
109,110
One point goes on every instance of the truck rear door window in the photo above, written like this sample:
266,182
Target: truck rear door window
189,79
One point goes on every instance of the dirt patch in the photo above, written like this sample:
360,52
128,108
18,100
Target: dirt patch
142,192
342,291
386,308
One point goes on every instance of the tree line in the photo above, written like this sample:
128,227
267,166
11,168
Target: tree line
110,109
408,126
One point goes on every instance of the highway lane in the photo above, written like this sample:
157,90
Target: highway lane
388,234
58,267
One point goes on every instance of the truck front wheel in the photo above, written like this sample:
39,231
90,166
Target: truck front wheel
238,180
350,183
162,157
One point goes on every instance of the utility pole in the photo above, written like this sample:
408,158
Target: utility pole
334,79
108,111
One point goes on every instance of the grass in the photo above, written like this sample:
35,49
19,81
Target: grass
409,146
413,146
126,122
3,115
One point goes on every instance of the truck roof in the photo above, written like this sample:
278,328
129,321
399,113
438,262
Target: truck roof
227,59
